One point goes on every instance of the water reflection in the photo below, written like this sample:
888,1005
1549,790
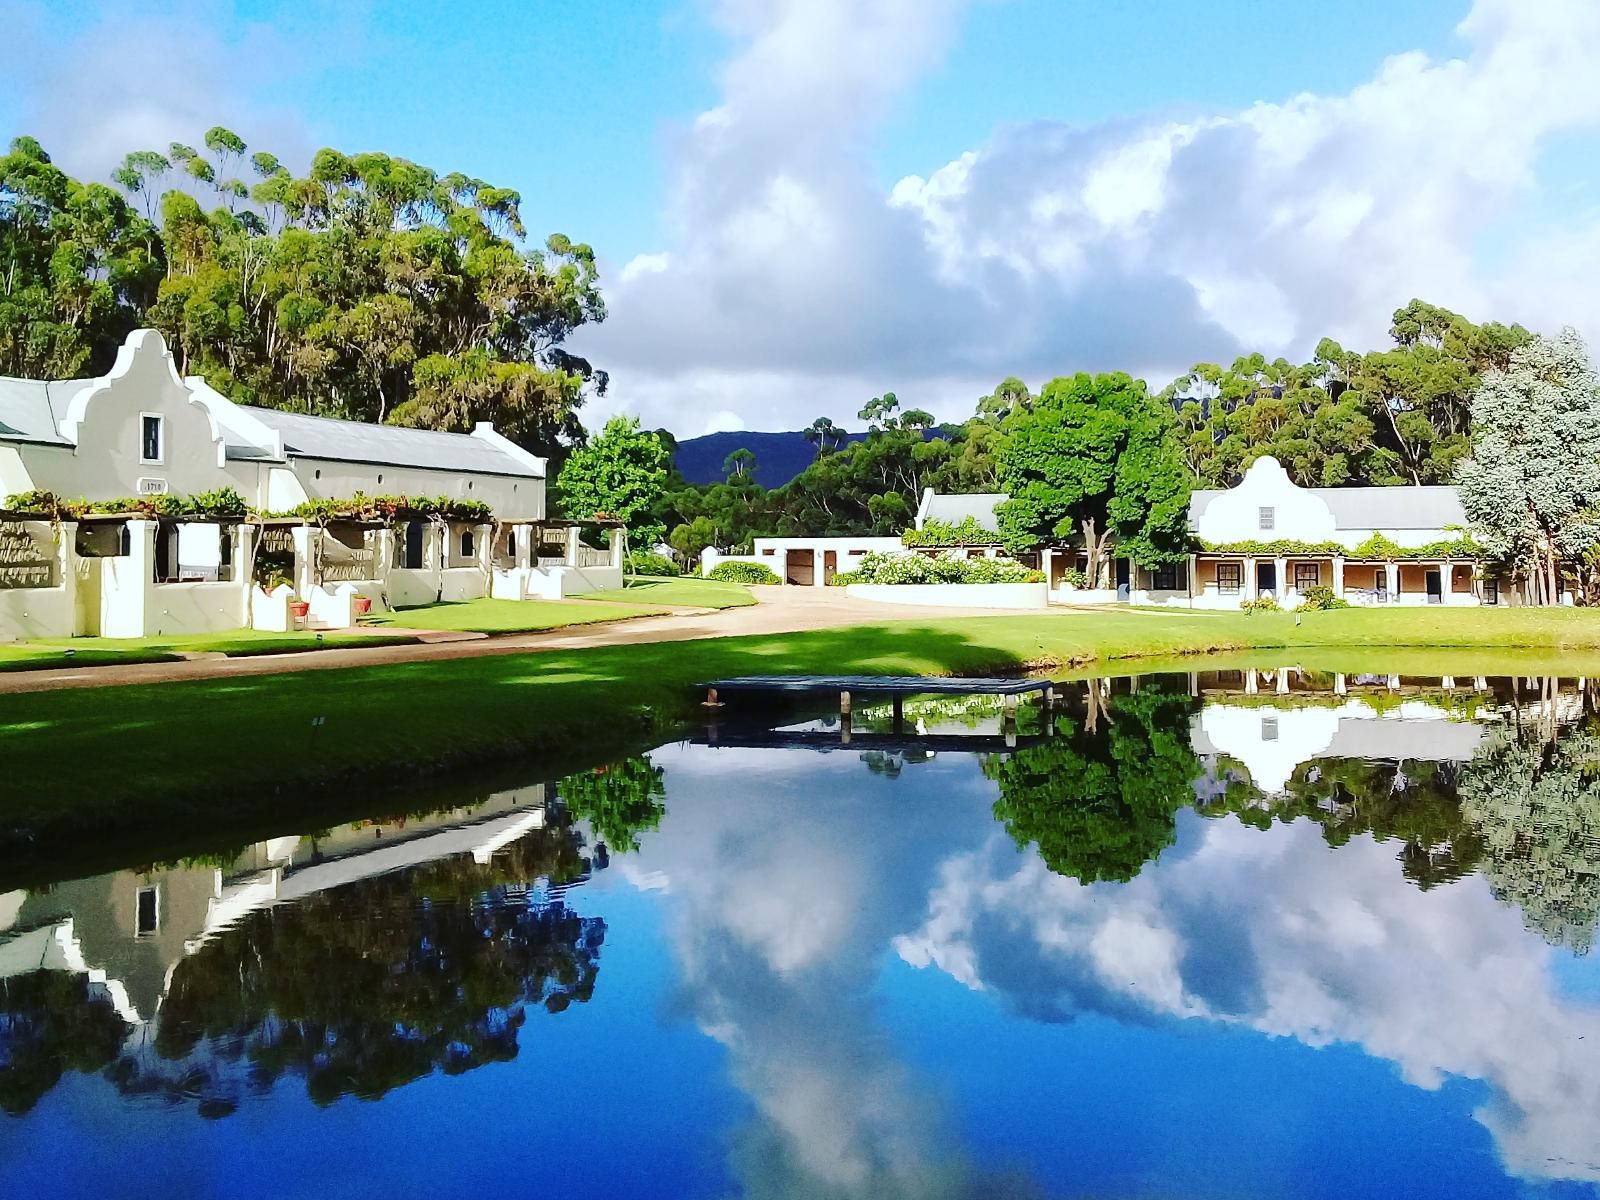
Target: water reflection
1406,866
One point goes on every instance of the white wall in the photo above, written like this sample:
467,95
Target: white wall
513,499
955,595
1234,516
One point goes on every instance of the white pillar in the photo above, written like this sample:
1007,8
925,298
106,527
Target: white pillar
1340,685
1249,578
1249,681
127,584
1391,575
572,545
1280,568
525,536
615,540
1046,560
1338,575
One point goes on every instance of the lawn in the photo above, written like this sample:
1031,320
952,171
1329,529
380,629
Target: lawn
698,593
504,616
51,653
212,754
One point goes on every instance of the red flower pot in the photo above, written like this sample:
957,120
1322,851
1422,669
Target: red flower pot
300,609
363,605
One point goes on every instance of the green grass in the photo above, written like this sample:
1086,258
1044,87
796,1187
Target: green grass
699,593
51,653
120,763
504,616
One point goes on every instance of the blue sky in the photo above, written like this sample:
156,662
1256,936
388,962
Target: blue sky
800,203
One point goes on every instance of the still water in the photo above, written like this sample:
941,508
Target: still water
1235,934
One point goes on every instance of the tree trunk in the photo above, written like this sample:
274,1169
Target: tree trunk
1092,548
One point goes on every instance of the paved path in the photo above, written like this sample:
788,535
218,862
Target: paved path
780,610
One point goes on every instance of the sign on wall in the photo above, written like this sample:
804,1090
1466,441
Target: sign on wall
27,557
151,486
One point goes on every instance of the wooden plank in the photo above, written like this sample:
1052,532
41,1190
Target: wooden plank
907,685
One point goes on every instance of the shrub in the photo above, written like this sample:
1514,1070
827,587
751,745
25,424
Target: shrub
742,572
1322,597
945,568
644,562
1075,577
943,533
1260,604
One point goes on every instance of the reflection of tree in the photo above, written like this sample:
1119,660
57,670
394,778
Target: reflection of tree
1102,802
619,800
52,1022
1412,802
1534,798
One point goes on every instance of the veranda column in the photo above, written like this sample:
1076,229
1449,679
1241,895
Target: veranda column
615,540
524,537
1391,575
1280,578
1194,562
67,566
1338,575
1446,583
572,545
1249,578
1046,559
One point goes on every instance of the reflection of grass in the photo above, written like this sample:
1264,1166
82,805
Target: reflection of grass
179,748
503,616
236,643
700,593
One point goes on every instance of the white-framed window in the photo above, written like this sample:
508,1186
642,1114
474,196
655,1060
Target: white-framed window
1230,578
147,911
1306,576
1269,729
152,438
1266,518
466,543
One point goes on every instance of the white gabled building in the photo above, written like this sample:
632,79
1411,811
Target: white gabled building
141,429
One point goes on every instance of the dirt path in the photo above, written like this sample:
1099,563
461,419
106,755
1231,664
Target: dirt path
780,610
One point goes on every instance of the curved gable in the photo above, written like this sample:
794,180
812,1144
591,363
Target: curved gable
1235,515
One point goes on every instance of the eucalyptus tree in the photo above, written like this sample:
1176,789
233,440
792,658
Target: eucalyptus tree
1532,486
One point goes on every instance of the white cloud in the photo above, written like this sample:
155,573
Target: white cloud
795,285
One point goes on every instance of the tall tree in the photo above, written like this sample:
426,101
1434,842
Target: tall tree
618,474
1532,486
1096,457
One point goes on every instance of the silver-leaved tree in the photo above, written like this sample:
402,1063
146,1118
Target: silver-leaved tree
1532,486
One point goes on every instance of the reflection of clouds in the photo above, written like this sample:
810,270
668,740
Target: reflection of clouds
790,881
1276,933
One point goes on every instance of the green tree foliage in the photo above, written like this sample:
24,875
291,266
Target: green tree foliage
78,267
1095,457
1532,486
1533,797
619,800
371,288
52,1022
619,474
1101,802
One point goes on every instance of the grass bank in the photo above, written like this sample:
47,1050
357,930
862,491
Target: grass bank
690,592
99,763
486,615
53,653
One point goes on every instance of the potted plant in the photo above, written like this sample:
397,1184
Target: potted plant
300,609
362,605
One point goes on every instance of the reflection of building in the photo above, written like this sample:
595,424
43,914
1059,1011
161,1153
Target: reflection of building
1271,740
128,931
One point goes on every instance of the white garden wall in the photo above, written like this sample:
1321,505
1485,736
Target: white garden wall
955,595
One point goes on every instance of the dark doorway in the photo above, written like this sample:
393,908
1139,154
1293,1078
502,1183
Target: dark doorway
414,545
1435,588
830,565
1266,579
801,567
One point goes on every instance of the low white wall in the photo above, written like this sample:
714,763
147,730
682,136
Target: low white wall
552,583
462,583
1072,595
408,588
178,608
955,595
36,613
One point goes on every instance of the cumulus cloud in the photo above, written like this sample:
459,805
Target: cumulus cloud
1276,934
794,284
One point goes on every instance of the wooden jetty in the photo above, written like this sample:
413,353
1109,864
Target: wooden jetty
896,687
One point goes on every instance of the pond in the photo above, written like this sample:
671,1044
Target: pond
1230,934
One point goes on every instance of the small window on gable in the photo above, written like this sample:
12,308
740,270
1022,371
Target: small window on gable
150,437
1266,518
1269,729
147,915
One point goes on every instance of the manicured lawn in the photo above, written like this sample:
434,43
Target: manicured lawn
700,593
236,643
504,616
212,754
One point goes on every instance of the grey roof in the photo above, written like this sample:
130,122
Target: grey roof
305,436
953,510
31,409
1429,506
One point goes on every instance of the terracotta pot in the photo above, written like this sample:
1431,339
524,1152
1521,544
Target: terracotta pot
300,609
363,605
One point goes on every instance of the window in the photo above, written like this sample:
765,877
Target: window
1380,582
413,544
150,426
1266,519
1491,591
1269,729
1165,577
1230,578
147,911
1306,575
466,543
